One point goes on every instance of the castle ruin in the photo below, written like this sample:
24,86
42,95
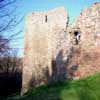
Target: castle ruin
55,51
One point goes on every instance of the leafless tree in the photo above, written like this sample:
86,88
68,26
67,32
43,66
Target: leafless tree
9,19
10,63
4,45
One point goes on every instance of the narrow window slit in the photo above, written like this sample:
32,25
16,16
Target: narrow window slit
46,18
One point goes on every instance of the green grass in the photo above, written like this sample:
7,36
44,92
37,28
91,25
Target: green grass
84,89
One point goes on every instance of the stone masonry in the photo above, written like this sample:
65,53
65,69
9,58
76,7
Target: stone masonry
55,51
45,38
87,27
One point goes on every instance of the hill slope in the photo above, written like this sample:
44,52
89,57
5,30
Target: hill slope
84,89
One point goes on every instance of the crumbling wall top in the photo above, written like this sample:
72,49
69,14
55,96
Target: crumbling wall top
56,17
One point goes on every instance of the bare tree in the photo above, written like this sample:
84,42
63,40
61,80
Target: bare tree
10,70
9,19
9,62
4,45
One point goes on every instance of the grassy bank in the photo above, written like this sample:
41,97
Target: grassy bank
84,89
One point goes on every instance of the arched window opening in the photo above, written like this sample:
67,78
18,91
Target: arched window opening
77,37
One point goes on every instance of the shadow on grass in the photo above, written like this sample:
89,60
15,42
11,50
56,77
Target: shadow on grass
47,92
84,89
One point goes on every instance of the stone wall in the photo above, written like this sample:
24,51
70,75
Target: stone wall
54,51
88,27
45,39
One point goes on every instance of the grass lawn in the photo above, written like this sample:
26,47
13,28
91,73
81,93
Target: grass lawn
84,89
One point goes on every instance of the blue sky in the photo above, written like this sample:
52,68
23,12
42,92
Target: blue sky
74,8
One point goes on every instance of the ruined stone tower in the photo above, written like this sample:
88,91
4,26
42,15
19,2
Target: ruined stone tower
45,38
